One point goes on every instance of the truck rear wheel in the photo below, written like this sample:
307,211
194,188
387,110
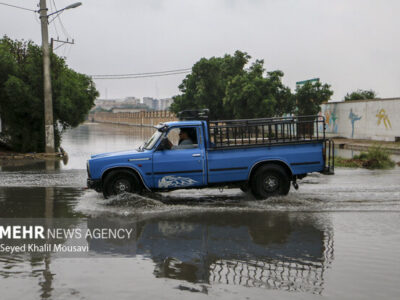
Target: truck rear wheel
270,180
121,181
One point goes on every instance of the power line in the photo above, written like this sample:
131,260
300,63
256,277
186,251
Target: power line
57,15
20,7
172,72
54,24
61,23
147,73
140,75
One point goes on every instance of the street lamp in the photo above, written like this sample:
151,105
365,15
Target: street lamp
48,102
73,5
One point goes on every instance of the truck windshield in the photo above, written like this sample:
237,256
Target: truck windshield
154,138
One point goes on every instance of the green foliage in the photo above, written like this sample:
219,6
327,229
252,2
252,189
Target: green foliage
21,95
360,95
223,85
348,163
375,158
251,95
310,96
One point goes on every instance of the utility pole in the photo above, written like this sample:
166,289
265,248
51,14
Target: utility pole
48,101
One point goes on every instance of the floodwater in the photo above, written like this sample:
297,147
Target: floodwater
337,237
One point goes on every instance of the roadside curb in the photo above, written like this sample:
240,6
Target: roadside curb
4,156
360,145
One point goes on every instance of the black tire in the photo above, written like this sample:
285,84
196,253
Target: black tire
270,180
121,181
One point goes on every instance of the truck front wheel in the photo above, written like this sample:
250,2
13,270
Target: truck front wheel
119,182
270,180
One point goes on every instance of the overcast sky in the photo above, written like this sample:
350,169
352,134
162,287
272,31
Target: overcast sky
349,44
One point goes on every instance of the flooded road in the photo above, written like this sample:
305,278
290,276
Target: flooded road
337,237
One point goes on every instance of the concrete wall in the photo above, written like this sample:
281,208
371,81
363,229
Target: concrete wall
363,119
136,118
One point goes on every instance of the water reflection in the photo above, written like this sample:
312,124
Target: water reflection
284,251
272,250
31,165
38,202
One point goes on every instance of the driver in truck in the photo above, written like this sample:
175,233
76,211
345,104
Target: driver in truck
184,137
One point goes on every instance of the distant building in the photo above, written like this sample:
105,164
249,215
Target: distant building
151,103
131,101
156,104
165,103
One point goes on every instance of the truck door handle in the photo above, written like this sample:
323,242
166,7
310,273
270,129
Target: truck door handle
196,155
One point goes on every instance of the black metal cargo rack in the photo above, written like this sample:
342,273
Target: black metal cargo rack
230,134
267,131
246,133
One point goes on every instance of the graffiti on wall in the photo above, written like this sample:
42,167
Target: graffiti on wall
353,118
320,124
384,118
330,119
375,119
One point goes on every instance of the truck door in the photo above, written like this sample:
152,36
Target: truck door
183,164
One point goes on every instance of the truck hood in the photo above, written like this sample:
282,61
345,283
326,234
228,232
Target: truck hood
118,153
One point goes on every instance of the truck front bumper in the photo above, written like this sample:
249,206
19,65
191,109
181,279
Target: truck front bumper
94,184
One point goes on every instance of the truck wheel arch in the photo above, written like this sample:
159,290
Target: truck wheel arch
129,169
281,163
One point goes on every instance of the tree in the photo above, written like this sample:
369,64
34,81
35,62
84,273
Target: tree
310,96
229,90
205,86
21,95
360,95
251,95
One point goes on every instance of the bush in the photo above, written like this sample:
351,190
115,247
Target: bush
375,158
348,163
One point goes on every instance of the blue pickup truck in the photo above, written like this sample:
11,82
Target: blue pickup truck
263,156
